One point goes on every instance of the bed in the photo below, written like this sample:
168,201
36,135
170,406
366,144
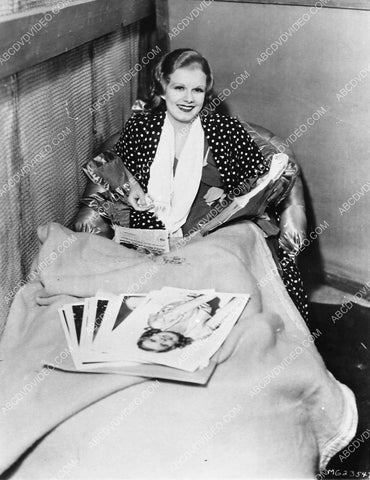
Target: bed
270,410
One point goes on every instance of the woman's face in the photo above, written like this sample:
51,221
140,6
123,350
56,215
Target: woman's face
161,341
184,94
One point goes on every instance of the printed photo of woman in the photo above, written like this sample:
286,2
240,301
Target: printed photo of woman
178,324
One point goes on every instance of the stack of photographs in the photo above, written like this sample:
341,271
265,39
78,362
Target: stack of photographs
177,328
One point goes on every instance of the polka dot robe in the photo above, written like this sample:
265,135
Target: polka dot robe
237,158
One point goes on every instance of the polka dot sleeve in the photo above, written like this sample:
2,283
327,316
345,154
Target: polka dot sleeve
125,147
250,162
136,155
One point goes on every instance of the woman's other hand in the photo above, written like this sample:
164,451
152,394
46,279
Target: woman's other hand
137,198
293,225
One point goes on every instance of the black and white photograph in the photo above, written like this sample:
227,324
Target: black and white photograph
185,204
164,321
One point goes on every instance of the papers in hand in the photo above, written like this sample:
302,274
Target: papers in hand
176,330
254,202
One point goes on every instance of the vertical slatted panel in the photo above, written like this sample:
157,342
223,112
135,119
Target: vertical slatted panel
113,57
10,253
48,132
55,138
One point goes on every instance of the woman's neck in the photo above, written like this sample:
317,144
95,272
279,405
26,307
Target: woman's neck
181,128
177,124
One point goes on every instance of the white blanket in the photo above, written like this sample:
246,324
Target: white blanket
270,410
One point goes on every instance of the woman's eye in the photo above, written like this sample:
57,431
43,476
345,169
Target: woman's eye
179,88
199,90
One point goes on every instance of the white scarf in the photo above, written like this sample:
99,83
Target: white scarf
173,195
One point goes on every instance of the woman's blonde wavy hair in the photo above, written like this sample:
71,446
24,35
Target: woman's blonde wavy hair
179,58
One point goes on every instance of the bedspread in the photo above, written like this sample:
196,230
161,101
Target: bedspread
270,410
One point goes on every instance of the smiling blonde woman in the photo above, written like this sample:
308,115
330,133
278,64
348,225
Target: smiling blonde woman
182,159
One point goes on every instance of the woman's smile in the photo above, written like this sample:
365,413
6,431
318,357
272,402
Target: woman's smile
186,108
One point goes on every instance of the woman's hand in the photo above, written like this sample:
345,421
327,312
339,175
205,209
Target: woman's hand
137,198
293,225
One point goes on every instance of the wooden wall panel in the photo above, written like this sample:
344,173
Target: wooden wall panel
39,34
